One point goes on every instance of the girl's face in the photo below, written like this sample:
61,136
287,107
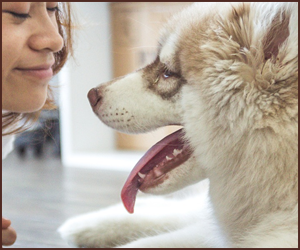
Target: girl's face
30,38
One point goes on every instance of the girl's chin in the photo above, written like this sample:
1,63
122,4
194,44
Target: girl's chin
28,107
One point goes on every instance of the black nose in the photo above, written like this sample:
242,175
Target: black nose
94,97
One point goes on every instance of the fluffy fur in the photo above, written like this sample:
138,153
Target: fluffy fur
227,72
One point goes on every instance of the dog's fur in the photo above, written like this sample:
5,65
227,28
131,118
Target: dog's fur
228,73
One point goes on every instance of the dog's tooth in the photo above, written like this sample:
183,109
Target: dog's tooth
168,158
158,173
177,152
141,175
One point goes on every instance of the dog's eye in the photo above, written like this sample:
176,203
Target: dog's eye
167,74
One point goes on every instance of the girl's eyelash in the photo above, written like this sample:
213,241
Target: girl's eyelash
25,15
53,9
18,15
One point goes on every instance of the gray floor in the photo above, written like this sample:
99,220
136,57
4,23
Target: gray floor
38,195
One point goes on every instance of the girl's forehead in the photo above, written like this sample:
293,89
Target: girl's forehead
16,5
23,6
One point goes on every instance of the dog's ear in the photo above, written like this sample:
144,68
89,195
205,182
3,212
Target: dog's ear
275,30
276,34
264,28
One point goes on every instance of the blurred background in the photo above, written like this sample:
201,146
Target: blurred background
69,162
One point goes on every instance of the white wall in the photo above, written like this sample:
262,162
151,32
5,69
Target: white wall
86,142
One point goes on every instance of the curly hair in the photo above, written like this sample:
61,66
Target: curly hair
10,120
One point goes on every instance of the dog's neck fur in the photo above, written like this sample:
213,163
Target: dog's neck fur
239,138
235,170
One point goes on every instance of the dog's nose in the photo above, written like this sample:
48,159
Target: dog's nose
94,97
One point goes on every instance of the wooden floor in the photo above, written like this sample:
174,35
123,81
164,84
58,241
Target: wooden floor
38,195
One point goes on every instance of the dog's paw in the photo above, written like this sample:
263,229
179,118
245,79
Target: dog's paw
109,227
79,232
95,230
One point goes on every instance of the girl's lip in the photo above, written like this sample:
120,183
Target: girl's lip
40,72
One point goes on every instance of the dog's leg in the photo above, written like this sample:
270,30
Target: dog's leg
113,226
203,234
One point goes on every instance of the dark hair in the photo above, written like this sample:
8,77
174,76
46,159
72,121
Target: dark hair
10,119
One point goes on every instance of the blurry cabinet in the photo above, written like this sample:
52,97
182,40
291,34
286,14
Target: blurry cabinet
135,32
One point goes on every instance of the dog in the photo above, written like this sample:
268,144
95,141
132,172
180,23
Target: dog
228,74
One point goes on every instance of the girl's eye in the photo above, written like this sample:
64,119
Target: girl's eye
55,9
18,15
24,16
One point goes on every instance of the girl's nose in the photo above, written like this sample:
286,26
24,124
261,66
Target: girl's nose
46,36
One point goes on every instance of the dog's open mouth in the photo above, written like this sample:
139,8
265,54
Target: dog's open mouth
152,168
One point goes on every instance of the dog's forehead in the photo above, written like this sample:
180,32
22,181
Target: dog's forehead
181,22
168,50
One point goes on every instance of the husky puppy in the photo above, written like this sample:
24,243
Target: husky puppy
228,73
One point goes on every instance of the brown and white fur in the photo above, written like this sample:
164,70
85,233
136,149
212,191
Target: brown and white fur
228,73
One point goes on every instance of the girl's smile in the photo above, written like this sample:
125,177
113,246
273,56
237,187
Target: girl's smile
42,72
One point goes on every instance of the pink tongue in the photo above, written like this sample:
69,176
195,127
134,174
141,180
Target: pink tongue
153,156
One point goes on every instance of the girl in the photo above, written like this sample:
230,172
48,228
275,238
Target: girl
36,42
